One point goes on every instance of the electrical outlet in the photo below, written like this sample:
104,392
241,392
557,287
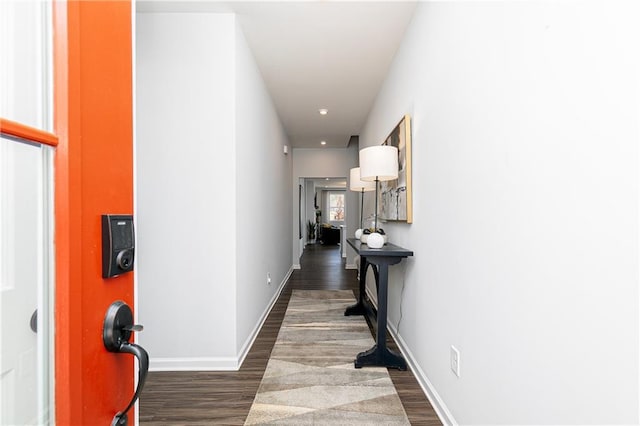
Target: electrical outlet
268,278
455,361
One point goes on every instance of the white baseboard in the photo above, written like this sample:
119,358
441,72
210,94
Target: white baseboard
296,266
254,333
429,390
427,387
350,266
373,298
194,364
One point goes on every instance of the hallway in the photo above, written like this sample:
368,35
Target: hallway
225,397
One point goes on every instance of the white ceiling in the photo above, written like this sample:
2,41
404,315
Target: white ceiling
330,183
315,54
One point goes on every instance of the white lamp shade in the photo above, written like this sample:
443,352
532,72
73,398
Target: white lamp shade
379,162
355,184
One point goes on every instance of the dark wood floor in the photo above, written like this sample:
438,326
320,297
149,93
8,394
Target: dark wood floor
207,398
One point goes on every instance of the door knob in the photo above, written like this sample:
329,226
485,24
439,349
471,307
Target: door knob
117,329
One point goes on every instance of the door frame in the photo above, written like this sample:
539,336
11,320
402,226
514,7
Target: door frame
93,118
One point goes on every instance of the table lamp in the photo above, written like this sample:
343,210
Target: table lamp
378,164
355,184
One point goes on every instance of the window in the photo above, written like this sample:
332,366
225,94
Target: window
26,212
336,206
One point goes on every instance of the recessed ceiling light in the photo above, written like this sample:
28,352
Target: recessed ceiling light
323,111
326,178
323,142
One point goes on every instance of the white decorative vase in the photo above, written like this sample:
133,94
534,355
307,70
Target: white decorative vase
375,240
364,237
358,233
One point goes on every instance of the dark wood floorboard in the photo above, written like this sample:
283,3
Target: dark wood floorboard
225,397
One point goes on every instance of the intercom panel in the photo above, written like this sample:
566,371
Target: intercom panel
118,244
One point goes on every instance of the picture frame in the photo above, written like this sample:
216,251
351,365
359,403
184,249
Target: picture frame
395,200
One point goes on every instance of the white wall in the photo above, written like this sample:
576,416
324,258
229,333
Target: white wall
320,163
211,176
525,233
263,195
186,176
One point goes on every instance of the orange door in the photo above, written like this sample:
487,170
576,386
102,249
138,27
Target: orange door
94,176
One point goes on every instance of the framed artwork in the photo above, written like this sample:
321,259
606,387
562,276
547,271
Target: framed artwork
394,197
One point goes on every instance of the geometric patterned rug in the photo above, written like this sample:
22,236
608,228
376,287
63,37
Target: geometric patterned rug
310,378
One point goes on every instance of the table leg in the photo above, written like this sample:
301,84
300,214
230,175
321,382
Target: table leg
359,308
379,354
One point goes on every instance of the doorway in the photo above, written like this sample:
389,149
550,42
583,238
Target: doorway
323,208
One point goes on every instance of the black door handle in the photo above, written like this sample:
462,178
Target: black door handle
139,352
118,325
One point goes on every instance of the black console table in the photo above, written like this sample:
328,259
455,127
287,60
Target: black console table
389,254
